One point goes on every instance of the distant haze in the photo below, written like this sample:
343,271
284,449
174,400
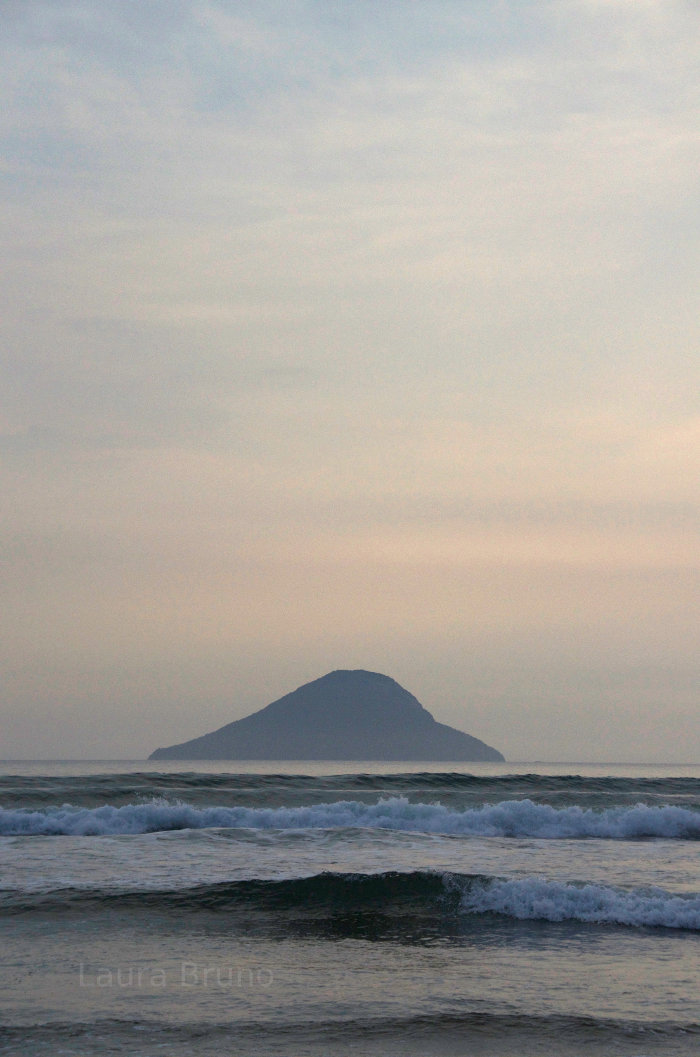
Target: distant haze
349,335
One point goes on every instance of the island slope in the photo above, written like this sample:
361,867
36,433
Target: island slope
345,715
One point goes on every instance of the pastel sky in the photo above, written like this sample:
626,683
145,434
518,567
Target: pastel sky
350,334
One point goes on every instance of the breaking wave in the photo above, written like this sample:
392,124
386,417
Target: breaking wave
409,897
510,818
540,900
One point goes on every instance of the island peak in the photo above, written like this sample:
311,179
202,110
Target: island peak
348,714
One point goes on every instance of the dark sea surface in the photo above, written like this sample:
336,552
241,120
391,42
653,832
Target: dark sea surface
334,909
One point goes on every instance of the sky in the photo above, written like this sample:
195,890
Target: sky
345,334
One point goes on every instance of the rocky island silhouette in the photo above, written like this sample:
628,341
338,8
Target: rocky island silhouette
345,715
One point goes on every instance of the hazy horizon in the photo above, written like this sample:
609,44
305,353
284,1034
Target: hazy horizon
351,766
514,763
339,335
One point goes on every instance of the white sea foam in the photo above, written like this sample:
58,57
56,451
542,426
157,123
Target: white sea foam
510,818
532,898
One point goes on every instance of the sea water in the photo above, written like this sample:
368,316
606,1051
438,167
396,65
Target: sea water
225,908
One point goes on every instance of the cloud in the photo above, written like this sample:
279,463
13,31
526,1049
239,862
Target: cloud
332,328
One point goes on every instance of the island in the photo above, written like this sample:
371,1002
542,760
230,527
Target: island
345,715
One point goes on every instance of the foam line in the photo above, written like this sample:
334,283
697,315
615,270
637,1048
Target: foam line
510,818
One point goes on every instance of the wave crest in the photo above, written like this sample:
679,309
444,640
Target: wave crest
510,818
536,899
398,900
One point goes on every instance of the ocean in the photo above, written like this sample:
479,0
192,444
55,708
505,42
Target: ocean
216,909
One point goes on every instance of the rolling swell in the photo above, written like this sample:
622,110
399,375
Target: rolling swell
414,896
272,790
509,818
441,1032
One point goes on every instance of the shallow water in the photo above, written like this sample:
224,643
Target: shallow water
210,912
